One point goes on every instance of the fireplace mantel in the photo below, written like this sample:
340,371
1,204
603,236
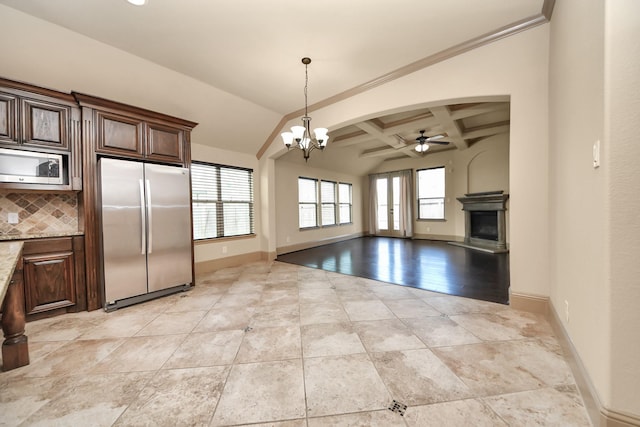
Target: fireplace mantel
487,211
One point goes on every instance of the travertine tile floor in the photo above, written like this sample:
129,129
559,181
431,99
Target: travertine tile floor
283,345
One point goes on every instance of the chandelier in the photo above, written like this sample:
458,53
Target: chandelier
300,136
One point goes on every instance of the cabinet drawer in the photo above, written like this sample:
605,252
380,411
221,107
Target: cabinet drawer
42,246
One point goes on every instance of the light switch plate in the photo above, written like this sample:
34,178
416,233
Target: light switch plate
596,154
12,218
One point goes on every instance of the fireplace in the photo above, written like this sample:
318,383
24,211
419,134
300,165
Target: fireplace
485,224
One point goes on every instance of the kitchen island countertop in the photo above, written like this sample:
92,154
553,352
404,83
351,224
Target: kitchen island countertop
28,236
9,255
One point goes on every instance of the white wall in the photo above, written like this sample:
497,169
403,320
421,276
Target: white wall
288,232
594,95
622,152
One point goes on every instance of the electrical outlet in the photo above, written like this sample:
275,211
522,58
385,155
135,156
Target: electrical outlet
224,249
566,310
12,218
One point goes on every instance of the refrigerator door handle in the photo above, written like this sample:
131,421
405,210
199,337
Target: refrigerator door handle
143,232
149,216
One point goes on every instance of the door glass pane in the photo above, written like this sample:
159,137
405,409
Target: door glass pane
395,182
381,188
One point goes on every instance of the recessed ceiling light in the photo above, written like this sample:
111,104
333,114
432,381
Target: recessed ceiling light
137,2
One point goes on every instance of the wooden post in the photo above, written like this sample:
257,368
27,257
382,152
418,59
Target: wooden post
15,349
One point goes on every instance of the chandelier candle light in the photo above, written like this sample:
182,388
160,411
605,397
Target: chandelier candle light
302,134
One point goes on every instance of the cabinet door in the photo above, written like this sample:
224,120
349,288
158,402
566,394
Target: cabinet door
8,123
45,124
164,143
49,282
119,135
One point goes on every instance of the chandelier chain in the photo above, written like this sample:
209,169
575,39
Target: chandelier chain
306,84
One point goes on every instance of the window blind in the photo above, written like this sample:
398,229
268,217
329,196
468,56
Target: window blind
222,200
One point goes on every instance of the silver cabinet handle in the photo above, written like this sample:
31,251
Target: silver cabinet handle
143,233
149,216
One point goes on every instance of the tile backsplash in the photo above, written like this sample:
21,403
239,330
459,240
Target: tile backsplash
38,213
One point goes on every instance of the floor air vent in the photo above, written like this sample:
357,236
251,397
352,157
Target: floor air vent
398,408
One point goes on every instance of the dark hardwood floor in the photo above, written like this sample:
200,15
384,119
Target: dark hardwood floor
425,264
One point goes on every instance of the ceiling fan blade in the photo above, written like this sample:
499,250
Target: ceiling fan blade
439,142
435,137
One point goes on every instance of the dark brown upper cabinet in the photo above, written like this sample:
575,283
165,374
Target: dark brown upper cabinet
45,124
134,133
38,119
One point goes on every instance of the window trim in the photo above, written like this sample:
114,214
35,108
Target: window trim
334,204
443,198
219,203
317,187
349,203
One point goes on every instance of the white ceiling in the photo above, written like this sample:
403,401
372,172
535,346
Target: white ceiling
253,48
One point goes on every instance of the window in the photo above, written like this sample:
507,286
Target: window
323,203
222,200
328,200
344,199
431,193
307,202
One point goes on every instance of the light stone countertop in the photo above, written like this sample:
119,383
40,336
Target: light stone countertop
29,236
9,255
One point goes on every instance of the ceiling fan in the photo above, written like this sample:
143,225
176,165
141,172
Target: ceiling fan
424,140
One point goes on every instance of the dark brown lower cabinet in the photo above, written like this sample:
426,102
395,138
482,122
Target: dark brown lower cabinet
53,276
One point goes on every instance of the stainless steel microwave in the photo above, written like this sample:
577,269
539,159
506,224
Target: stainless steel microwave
29,167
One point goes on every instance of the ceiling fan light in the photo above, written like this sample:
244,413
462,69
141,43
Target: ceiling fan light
137,2
287,138
421,148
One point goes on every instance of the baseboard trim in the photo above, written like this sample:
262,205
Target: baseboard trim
439,237
600,415
231,261
315,243
530,303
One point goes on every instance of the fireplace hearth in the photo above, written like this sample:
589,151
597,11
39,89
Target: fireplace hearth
485,224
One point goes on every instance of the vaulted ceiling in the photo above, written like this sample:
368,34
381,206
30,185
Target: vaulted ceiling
252,49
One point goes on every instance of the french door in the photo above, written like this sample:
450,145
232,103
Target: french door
388,205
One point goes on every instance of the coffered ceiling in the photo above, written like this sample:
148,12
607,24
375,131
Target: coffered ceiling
455,126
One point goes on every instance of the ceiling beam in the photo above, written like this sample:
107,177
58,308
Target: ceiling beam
352,139
450,126
481,131
476,110
378,152
377,133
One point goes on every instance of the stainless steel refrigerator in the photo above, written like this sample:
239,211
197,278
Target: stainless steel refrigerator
146,230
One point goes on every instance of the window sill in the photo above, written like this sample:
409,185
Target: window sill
223,239
432,219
